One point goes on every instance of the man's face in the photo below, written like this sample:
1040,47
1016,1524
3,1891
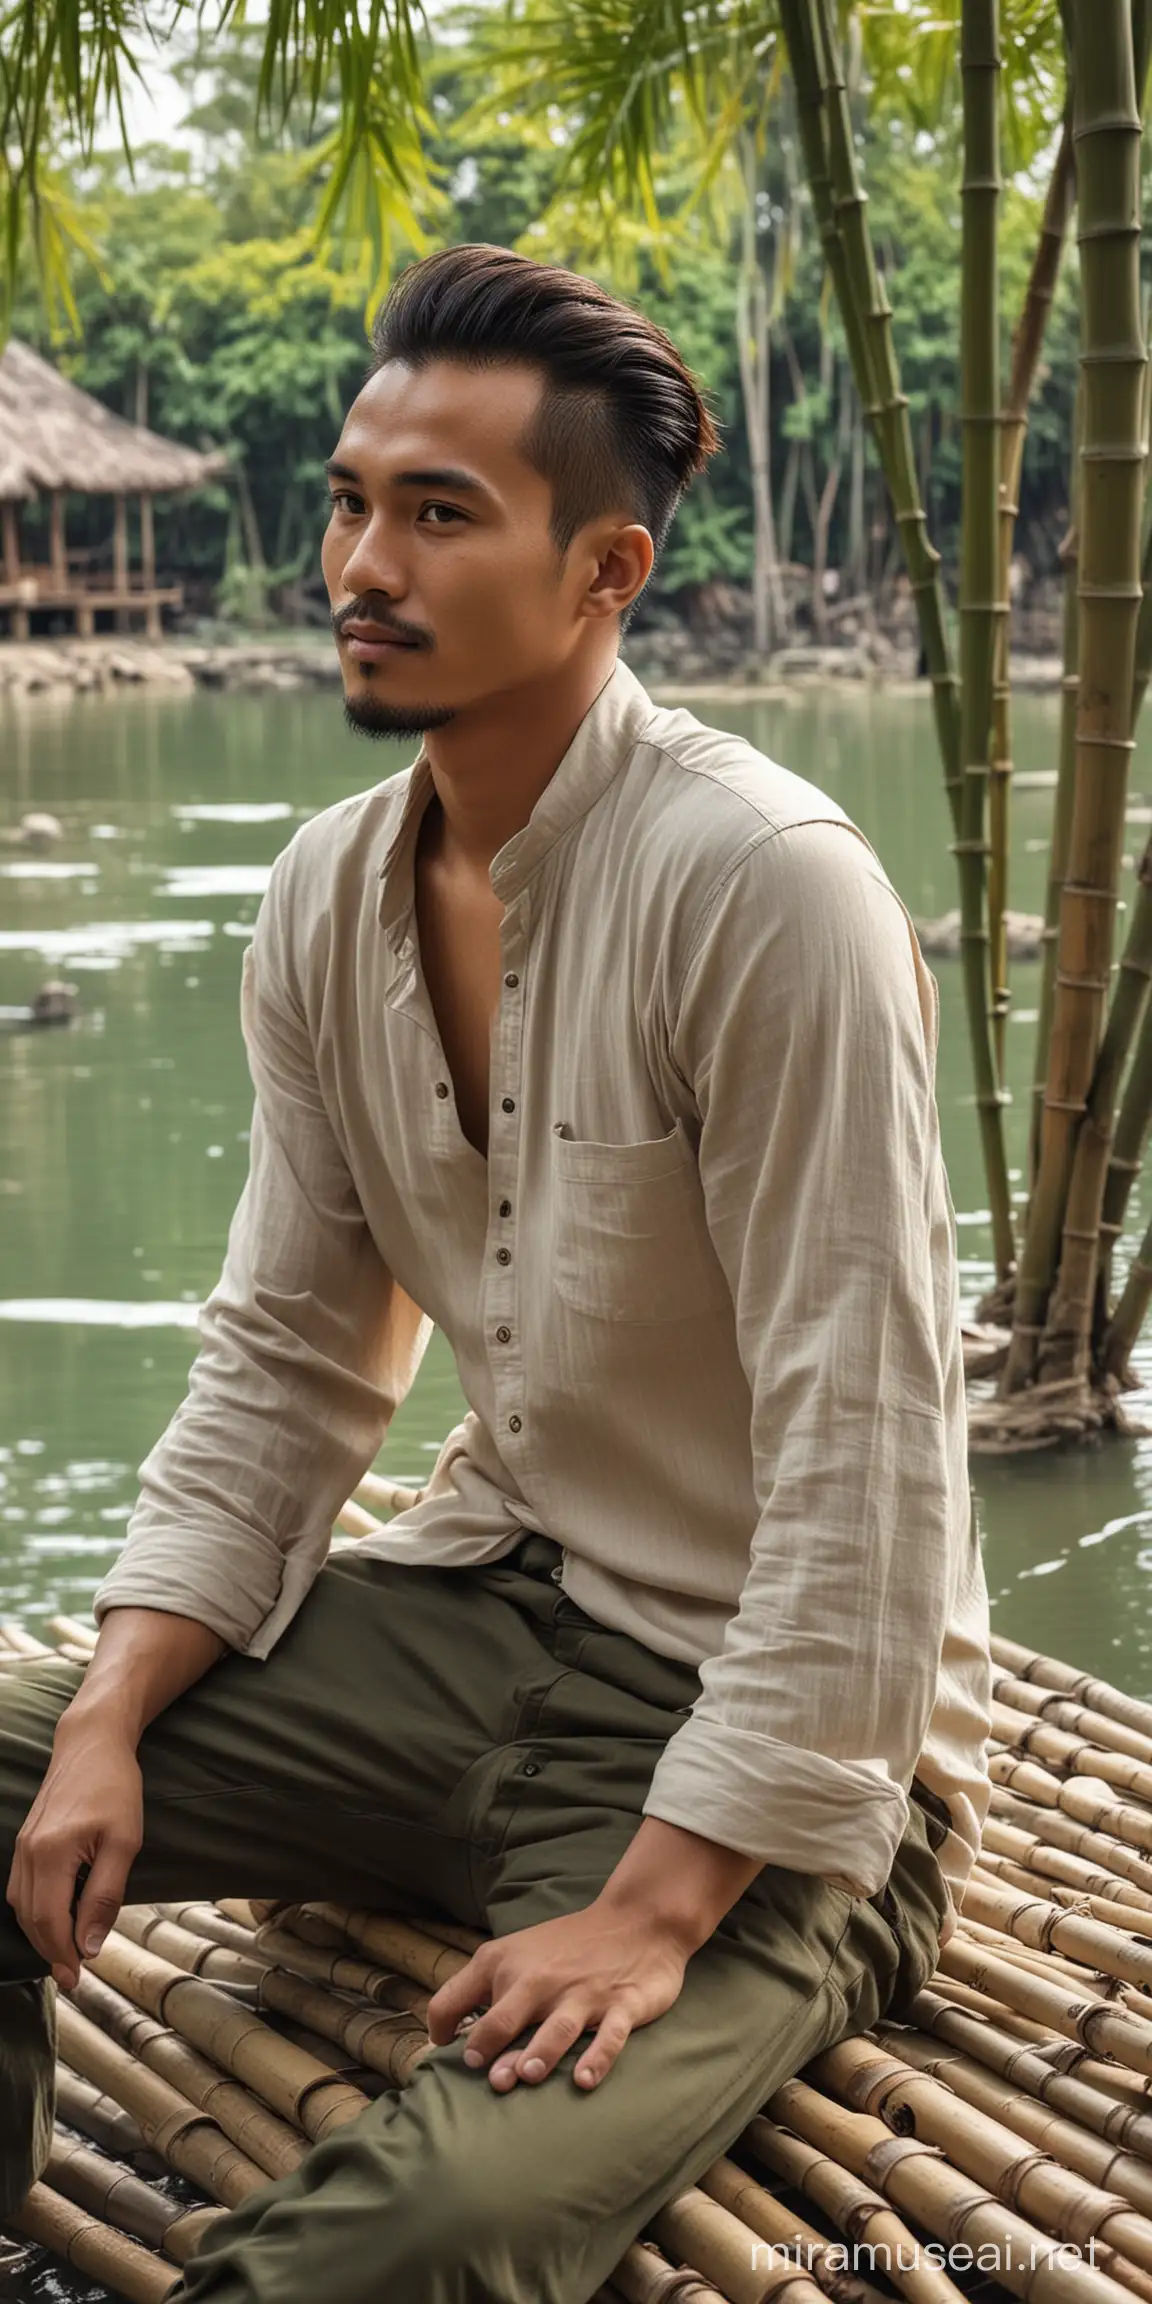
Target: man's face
445,582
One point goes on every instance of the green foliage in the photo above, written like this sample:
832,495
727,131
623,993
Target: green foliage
204,303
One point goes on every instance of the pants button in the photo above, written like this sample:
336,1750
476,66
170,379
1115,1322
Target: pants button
531,1768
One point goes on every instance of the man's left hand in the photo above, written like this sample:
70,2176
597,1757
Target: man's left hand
595,1970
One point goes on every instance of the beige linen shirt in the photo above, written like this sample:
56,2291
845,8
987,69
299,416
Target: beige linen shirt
702,1294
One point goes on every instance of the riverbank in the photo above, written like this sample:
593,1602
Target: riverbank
58,670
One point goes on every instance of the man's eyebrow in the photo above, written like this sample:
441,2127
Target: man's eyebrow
442,476
434,476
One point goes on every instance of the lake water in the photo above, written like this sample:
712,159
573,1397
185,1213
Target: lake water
123,1141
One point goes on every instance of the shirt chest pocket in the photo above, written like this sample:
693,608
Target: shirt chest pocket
630,1240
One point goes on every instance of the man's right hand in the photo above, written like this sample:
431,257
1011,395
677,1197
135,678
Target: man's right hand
89,1810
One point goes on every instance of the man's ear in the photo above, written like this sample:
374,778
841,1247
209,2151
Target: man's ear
622,563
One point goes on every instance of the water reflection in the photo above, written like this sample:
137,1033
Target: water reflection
123,1142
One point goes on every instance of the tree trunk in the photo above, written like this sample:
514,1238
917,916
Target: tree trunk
1061,822
1056,1287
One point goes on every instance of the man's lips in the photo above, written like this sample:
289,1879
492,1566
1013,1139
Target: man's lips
371,643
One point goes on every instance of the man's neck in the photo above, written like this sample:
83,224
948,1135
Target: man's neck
491,765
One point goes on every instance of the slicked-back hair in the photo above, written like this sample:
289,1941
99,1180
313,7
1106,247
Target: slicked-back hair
621,423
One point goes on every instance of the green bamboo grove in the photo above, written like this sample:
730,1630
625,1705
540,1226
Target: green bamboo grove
1064,1363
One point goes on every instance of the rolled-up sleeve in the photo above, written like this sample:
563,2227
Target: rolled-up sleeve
307,1346
806,1029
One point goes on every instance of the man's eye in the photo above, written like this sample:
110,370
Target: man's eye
346,500
449,513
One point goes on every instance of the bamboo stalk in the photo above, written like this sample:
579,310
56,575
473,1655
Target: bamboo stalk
200,1955
1055,1288
1059,1832
696,2230
1094,2023
1084,1798
1077,1719
88,2109
125,2201
1024,1734
1126,2127
92,2247
287,1950
1026,347
206,1920
1039,2188
1070,1870
857,2208
289,2082
916,2177
392,2045
388,1495
644,2276
181,2134
1041,1924
260,2134
393,1943
770,2220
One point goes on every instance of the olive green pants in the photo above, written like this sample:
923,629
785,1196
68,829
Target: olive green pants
468,1742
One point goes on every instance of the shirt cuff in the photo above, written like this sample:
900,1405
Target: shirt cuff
234,1588
781,1802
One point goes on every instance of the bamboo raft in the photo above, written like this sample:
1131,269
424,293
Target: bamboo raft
998,2144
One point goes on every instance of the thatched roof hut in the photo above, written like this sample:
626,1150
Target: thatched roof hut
56,439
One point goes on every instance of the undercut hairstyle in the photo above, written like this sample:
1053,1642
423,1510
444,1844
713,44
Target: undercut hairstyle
621,422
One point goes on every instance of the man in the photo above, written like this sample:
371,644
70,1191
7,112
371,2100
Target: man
605,1043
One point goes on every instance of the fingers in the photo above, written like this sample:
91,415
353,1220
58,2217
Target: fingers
42,1902
547,2045
103,1894
466,1990
610,2038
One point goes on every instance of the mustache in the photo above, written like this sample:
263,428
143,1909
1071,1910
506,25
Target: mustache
373,608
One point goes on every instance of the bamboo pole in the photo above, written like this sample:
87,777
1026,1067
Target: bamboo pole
983,611
770,2220
200,1955
1061,813
289,2082
1059,1833
644,2276
92,2247
1077,1719
126,2202
87,2108
392,1943
347,1974
272,2143
174,2128
696,2230
1026,347
1037,2186
393,2045
953,2206
1056,1281
857,2209
1123,2126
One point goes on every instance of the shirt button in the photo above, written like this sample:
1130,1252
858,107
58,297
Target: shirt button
505,1207
441,1087
503,1255
511,981
503,1335
508,1103
515,1424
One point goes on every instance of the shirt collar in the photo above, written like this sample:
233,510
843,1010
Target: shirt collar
602,743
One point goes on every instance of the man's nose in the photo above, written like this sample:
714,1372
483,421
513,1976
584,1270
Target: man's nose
375,564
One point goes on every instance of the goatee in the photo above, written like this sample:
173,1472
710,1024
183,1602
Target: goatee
374,716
